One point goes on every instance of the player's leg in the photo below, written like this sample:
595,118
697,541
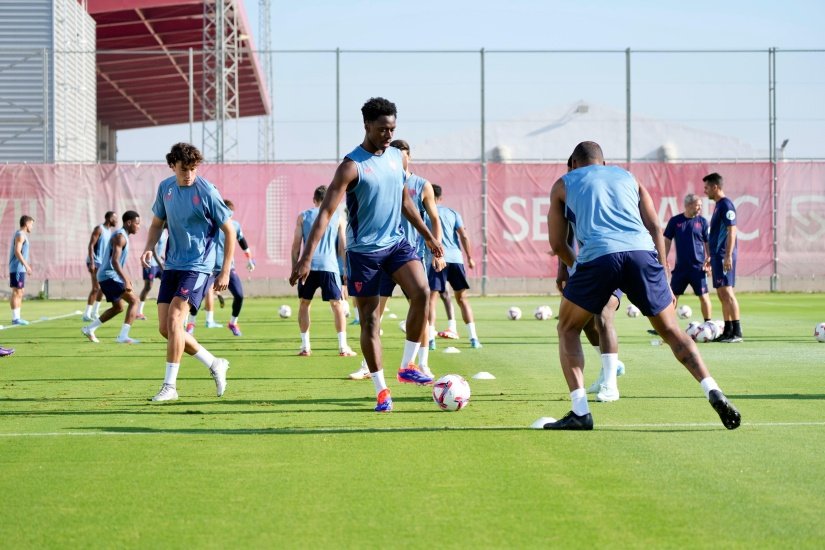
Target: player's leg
437,283
132,304
331,292
94,294
412,279
457,278
447,300
236,290
609,351
16,301
306,291
209,310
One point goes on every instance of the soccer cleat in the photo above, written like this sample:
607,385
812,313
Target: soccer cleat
86,319
652,331
234,329
221,301
411,375
432,344
448,334
90,334
572,421
346,352
361,374
190,328
167,393
218,371
384,401
126,340
304,352
19,322
607,394
355,322
475,344
140,317
213,324
5,352
620,369
732,340
426,370
727,412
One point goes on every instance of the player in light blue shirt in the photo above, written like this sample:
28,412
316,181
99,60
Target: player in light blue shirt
115,283
324,272
97,244
154,271
19,267
194,213
621,246
372,178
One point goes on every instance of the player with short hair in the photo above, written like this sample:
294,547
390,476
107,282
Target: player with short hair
324,272
194,213
723,244
372,178
115,283
621,247
689,231
455,241
19,267
152,272
97,244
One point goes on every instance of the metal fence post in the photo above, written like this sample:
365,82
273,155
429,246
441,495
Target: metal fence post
774,286
191,95
484,228
337,104
628,120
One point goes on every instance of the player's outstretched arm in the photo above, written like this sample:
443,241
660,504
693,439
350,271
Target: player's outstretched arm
557,226
651,223
410,212
155,229
222,280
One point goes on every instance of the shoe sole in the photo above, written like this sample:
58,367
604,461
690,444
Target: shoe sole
405,381
603,399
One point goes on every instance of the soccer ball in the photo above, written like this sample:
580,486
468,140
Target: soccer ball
633,311
543,313
514,313
720,325
344,306
708,332
285,312
693,329
451,392
684,312
819,332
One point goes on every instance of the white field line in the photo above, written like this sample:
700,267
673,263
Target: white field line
287,431
43,320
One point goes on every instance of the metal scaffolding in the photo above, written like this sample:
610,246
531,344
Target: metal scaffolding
266,127
221,58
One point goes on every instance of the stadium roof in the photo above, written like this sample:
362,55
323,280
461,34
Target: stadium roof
136,89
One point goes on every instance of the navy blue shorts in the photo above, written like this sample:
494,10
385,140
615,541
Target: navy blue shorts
452,273
327,281
720,277
17,280
365,268
679,281
113,290
152,273
637,273
187,285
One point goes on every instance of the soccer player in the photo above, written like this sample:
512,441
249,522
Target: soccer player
97,244
324,273
455,240
194,212
19,267
372,178
618,229
115,283
722,243
235,285
152,272
689,231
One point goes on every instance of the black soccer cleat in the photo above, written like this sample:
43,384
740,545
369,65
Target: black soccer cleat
727,412
572,421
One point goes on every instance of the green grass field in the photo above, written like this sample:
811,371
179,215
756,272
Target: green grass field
294,456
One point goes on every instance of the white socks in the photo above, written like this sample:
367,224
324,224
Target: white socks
171,373
96,310
204,357
579,399
191,319
94,325
423,356
610,362
471,330
210,316
233,320
410,349
305,341
342,340
378,380
88,312
140,308
15,314
124,331
451,325
708,384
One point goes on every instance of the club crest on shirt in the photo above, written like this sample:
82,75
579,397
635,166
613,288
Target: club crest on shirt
196,200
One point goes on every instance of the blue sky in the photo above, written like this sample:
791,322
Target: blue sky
712,91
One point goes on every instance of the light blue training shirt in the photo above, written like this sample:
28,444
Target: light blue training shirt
374,203
325,257
603,205
100,245
451,222
221,242
193,215
15,266
107,269
414,187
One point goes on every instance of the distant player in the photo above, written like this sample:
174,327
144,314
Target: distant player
722,243
152,272
621,247
194,213
97,244
19,267
455,240
324,273
689,230
115,282
372,178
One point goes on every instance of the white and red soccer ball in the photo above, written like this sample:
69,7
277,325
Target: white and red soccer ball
514,313
451,392
285,311
684,312
543,313
819,332
633,311
708,332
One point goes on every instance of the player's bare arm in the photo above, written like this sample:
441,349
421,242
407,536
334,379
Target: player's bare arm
465,245
118,242
155,229
342,252
222,280
651,223
297,238
346,176
92,244
730,242
557,226
410,212
18,252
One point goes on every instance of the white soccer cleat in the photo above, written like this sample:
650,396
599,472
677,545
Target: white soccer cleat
213,324
607,394
126,340
346,351
595,386
218,371
167,393
362,373
90,334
